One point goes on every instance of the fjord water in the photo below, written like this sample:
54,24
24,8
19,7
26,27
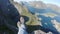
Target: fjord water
46,21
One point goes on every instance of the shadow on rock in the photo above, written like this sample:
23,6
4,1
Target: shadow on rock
9,16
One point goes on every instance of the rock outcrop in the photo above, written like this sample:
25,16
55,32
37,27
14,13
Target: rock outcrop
8,17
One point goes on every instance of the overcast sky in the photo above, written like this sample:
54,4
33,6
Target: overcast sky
56,2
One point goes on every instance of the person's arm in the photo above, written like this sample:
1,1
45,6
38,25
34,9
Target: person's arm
18,24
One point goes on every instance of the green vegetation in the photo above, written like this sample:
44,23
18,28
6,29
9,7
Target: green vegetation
32,18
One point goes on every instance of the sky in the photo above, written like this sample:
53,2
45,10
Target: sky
56,2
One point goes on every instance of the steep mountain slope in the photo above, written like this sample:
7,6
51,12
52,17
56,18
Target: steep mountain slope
37,13
50,12
54,7
42,14
8,17
24,11
40,4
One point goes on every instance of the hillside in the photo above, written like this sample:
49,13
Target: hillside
24,11
42,5
48,11
40,18
42,13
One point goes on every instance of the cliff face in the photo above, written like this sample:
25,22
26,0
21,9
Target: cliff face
10,12
9,17
45,11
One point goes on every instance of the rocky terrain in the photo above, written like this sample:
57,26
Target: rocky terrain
40,18
38,5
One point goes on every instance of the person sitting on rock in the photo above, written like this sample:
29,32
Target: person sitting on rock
21,26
